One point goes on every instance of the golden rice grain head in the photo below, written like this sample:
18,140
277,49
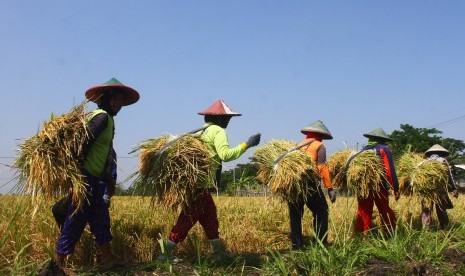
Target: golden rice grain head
173,177
365,174
336,166
295,174
47,162
265,155
405,168
430,179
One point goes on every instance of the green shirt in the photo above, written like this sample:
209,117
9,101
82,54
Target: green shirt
97,156
216,141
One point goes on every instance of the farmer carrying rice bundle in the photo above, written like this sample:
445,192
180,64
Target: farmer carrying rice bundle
95,164
296,175
372,180
313,197
203,209
432,180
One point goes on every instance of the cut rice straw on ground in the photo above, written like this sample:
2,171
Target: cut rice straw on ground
365,174
47,163
293,176
173,177
336,166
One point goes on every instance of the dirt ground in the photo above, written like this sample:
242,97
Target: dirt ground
454,260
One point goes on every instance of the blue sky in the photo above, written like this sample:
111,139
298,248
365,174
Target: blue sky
356,65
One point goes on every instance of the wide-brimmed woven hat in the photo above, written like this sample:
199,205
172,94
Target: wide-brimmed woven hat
437,148
95,93
318,127
219,108
378,133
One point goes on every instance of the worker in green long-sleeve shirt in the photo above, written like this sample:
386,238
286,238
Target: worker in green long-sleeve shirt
216,140
203,209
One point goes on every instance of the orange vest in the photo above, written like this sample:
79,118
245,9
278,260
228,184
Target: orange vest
312,151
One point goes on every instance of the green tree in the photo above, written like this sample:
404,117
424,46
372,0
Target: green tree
409,138
456,150
414,139
241,174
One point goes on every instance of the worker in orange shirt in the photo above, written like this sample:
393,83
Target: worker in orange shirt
314,198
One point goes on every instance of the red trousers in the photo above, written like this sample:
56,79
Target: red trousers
365,211
202,210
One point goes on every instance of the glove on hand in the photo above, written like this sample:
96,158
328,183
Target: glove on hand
332,195
253,140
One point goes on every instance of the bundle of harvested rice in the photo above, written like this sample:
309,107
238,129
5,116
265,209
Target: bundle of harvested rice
365,173
295,174
336,166
48,162
173,177
265,156
405,168
429,179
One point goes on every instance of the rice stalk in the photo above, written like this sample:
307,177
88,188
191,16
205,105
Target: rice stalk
429,180
47,162
293,176
336,166
406,165
173,177
365,174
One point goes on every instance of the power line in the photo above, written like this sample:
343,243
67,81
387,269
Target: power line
448,122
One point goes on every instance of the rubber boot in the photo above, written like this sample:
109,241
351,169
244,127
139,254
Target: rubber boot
166,254
219,254
108,260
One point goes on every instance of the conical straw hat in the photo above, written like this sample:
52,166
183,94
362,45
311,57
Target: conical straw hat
437,148
378,133
95,93
219,108
318,127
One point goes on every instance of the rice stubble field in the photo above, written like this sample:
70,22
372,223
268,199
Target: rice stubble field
254,228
